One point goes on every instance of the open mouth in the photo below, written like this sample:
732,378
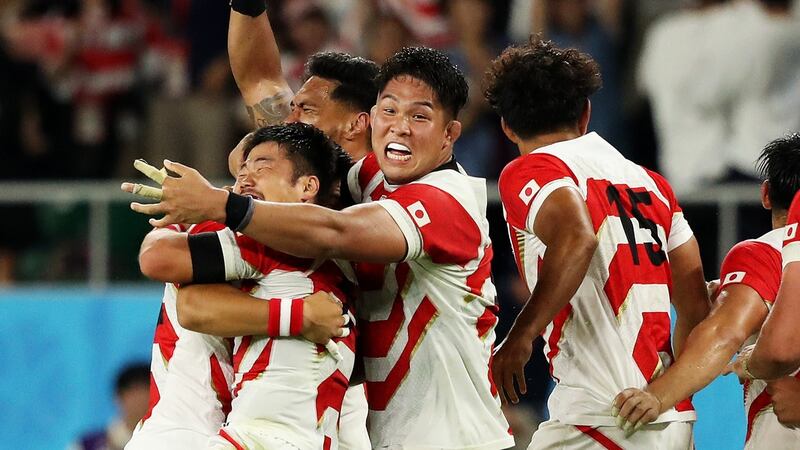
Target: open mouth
252,194
398,152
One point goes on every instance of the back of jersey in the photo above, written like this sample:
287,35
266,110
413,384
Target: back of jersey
615,332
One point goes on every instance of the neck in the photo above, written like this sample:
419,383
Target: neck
543,140
356,149
779,218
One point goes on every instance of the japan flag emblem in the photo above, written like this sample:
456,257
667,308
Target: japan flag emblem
791,232
528,191
733,277
419,214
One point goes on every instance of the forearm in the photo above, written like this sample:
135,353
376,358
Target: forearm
253,53
221,310
164,256
777,352
563,268
708,349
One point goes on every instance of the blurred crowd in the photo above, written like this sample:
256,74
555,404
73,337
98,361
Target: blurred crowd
691,88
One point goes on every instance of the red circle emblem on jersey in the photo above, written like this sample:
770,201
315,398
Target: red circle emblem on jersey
419,214
528,191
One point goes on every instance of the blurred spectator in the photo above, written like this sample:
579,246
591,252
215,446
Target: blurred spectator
426,19
689,134
132,398
593,27
309,31
385,35
711,122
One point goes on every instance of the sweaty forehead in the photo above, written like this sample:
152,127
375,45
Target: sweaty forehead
315,88
270,149
409,88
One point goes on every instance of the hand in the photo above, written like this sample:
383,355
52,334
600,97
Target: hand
508,363
739,365
188,198
323,318
785,394
635,408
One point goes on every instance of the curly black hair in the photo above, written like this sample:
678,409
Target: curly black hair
311,152
779,164
539,88
432,67
355,77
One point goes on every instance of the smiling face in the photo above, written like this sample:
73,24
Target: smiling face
412,133
268,174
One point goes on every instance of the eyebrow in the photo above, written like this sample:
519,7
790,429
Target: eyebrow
421,103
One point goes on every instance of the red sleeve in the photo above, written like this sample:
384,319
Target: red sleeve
206,226
522,181
449,234
665,189
754,264
792,221
257,254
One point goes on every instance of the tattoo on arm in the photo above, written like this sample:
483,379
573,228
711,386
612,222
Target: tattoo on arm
271,110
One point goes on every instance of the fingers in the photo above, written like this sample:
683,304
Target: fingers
151,209
145,191
157,175
163,222
520,376
335,299
346,318
508,387
178,168
332,349
344,332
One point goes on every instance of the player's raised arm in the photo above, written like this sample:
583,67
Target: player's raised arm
256,63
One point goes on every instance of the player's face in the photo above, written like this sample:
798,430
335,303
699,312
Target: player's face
268,174
313,105
412,134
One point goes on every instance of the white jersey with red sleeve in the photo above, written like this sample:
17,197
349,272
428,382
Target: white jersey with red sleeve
427,323
285,388
756,263
189,379
614,333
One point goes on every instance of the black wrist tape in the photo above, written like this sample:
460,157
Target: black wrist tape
252,8
238,211
208,262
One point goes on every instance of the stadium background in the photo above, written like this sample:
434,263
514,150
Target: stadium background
86,86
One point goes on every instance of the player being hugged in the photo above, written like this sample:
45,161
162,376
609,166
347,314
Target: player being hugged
603,247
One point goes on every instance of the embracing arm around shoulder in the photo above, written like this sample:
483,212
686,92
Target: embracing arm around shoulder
777,351
164,256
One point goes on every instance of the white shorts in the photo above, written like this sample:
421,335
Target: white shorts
553,435
167,439
353,421
769,434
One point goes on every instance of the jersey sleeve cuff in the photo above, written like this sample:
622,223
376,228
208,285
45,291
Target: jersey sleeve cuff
790,253
407,227
680,233
543,194
230,252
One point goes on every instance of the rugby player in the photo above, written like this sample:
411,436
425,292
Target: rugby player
283,394
749,282
603,246
428,314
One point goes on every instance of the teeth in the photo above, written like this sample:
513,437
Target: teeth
396,146
398,156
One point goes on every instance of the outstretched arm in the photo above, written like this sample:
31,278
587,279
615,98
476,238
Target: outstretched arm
569,251
256,65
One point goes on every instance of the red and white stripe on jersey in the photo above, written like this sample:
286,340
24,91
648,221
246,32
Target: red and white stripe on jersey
300,384
619,317
428,322
190,379
791,238
757,263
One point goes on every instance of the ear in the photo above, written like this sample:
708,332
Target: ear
765,201
583,120
357,126
509,132
452,133
309,186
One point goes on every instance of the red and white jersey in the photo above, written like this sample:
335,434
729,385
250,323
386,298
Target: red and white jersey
791,240
190,375
428,322
757,263
614,333
287,388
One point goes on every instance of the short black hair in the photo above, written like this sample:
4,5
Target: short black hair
311,152
432,67
539,88
779,165
355,77
133,374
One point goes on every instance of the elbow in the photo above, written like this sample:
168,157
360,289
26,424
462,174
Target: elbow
781,362
153,265
190,314
584,245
